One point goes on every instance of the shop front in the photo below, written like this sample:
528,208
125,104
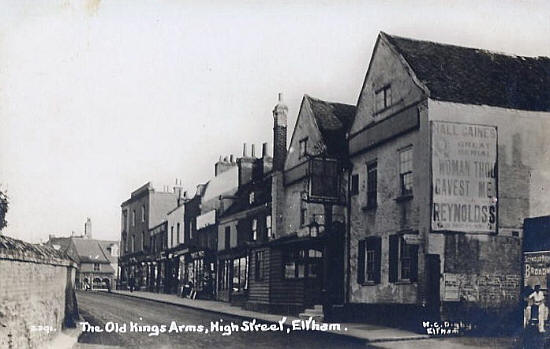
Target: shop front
197,271
233,274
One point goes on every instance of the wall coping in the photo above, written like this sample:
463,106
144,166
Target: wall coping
17,250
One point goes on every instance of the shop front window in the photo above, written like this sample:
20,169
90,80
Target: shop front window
240,274
302,263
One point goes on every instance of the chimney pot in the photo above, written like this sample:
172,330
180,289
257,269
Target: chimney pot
264,150
253,151
231,158
244,150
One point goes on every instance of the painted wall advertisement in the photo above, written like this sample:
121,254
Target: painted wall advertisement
536,268
489,290
464,178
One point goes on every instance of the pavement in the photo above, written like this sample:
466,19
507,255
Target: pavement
65,339
364,332
454,343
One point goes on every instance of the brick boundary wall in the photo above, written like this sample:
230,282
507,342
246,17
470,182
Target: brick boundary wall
36,289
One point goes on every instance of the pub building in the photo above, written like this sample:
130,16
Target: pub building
290,272
245,223
413,201
447,151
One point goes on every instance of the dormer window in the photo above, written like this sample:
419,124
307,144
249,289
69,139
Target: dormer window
303,147
383,98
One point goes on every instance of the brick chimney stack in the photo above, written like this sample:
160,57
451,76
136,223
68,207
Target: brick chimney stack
279,156
88,228
223,164
266,160
279,134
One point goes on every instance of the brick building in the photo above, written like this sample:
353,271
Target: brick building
246,223
197,257
175,244
447,152
142,214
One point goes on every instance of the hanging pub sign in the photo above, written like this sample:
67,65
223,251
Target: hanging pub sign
464,177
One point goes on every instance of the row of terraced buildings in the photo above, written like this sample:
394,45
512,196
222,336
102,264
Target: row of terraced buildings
409,204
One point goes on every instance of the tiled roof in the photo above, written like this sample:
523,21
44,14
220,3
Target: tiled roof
105,244
334,120
474,76
89,251
62,242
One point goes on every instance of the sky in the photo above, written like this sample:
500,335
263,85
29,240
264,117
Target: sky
99,97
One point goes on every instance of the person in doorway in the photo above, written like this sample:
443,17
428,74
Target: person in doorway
132,282
537,298
526,304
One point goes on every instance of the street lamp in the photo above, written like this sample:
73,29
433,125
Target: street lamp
313,228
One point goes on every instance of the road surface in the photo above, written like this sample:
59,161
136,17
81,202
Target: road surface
100,308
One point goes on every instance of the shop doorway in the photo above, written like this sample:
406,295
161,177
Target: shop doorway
433,274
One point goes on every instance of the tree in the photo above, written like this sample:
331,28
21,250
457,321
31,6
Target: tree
3,209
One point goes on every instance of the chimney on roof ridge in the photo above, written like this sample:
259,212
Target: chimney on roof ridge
88,228
223,165
244,150
279,134
265,151
279,156
253,151
178,190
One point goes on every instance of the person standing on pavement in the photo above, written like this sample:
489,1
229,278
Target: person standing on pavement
537,297
132,282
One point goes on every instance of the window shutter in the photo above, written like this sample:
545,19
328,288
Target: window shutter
355,184
378,258
414,263
361,262
393,257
